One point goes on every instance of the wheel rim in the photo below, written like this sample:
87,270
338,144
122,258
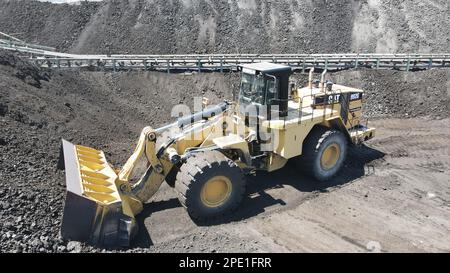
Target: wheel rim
330,156
216,191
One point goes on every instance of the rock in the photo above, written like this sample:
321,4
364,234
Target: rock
36,243
8,225
74,247
18,249
431,195
61,249
373,246
4,205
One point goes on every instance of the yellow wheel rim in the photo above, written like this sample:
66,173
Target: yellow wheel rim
216,191
330,156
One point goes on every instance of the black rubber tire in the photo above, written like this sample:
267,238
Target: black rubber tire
317,141
195,172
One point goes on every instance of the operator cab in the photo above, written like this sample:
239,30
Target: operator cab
264,87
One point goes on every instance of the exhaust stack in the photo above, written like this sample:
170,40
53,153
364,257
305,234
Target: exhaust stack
310,80
322,81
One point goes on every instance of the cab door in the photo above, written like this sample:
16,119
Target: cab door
272,101
355,107
351,108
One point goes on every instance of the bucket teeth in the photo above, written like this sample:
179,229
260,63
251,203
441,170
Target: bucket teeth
97,160
96,176
93,211
84,149
92,174
95,181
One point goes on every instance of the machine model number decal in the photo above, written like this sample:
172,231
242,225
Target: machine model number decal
355,96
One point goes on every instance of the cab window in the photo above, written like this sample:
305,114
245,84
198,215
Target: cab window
271,90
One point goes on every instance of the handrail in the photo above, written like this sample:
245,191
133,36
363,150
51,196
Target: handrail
47,57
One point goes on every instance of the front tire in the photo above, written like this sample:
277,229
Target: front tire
210,186
324,153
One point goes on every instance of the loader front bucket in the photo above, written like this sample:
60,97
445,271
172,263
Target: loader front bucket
94,211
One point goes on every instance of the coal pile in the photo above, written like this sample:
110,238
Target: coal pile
402,94
54,25
250,26
29,73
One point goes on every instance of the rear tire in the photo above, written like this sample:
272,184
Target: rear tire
210,186
324,153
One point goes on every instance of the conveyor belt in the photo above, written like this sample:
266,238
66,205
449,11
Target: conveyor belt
48,57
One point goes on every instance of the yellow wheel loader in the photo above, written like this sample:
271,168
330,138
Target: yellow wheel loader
206,156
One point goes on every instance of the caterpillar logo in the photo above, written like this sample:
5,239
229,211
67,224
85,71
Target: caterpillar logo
328,99
334,98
